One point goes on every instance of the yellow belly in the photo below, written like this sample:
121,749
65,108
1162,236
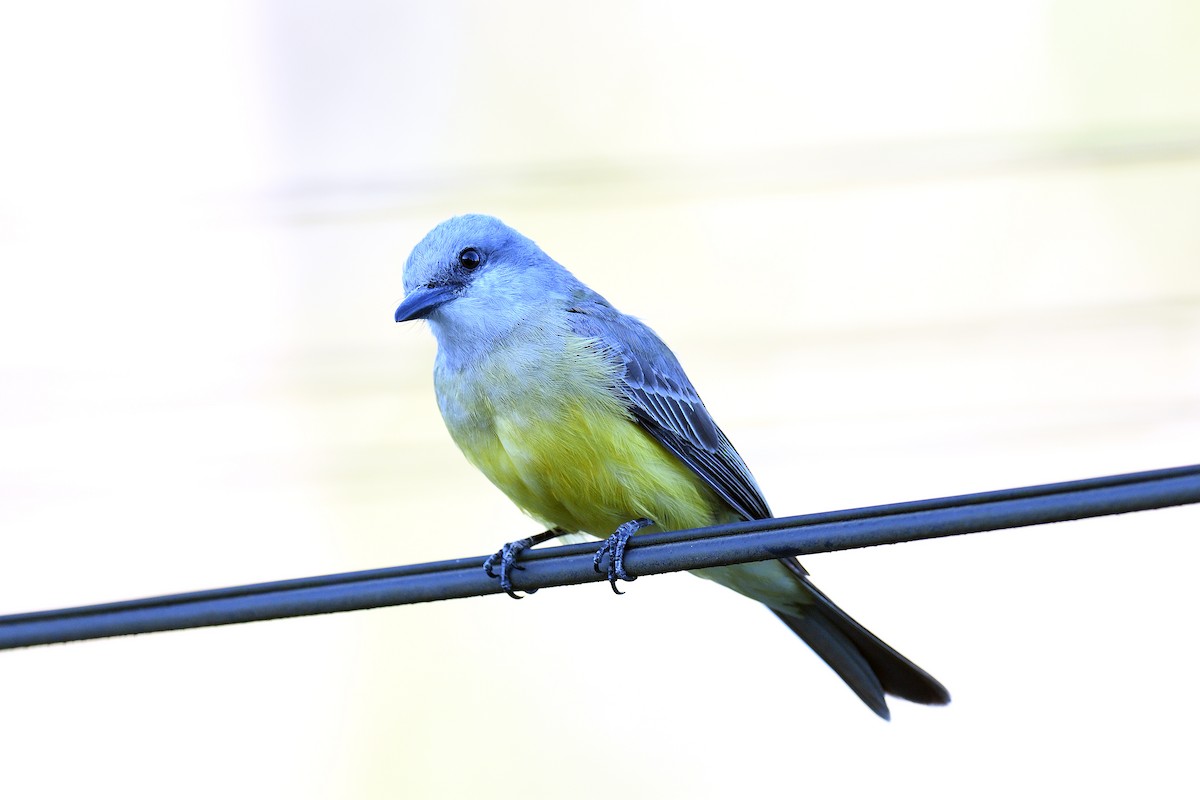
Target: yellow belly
541,424
555,439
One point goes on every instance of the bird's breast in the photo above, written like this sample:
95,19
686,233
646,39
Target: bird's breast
543,420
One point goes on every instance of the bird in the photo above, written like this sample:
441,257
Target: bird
585,419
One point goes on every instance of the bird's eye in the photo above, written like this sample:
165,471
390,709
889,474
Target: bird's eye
470,258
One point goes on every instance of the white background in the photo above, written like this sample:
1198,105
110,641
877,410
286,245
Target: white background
904,251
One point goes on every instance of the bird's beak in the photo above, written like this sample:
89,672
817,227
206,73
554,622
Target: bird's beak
422,300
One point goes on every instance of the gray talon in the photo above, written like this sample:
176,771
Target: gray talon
614,547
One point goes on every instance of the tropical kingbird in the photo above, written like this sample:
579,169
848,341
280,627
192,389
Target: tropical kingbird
585,419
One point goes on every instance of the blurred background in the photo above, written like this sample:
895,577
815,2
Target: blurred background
904,251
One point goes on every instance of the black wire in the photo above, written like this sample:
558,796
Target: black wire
649,554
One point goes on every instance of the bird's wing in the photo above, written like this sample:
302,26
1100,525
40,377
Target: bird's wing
664,402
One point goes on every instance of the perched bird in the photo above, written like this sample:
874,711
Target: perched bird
585,419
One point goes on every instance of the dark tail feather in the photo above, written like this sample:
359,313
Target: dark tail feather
864,661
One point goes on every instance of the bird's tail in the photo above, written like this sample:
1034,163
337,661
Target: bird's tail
870,667
864,661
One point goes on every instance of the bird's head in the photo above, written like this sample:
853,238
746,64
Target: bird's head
474,278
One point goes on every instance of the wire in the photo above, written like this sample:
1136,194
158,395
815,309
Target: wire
648,554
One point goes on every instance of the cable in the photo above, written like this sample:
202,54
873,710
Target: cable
648,554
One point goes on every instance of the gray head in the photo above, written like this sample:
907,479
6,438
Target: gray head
474,278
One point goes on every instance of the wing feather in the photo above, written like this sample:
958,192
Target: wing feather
663,401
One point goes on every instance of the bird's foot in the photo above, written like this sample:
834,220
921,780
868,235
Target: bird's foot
614,547
506,559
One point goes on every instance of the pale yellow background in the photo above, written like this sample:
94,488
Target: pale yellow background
904,250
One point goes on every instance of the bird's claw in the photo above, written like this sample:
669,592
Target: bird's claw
506,559
614,547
